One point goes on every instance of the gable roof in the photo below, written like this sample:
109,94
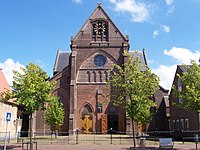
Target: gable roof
3,82
99,13
142,57
183,69
62,61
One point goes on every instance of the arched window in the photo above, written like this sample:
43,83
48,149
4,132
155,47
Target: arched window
112,110
113,119
106,76
86,110
94,76
100,76
88,76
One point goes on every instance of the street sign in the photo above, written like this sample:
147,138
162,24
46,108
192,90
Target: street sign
8,116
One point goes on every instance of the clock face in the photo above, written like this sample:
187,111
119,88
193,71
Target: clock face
99,28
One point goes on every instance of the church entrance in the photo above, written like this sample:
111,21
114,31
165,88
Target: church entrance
113,119
87,119
87,124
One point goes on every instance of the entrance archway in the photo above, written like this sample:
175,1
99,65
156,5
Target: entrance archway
113,118
87,119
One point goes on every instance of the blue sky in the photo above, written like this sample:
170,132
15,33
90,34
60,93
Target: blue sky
33,30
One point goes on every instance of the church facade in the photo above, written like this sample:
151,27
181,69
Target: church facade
82,75
81,79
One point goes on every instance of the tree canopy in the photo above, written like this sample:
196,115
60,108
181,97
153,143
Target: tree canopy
32,88
5,96
189,93
54,114
132,86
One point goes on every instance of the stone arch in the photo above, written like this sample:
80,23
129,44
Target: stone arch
87,107
63,92
64,98
113,117
86,110
87,64
86,118
101,51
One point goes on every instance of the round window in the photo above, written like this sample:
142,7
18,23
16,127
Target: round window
99,60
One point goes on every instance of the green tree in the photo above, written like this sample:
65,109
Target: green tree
5,96
132,86
32,90
189,89
54,114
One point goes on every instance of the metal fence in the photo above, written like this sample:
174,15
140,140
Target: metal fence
3,135
78,138
115,138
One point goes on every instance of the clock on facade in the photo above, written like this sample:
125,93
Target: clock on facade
99,28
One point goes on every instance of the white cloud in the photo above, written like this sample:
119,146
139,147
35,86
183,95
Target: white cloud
77,1
163,28
150,61
138,10
8,66
113,1
166,28
40,63
171,10
183,55
166,74
155,33
169,2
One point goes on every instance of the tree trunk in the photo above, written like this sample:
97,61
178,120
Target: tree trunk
198,121
31,144
133,132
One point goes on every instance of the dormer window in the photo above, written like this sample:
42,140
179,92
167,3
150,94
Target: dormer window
100,31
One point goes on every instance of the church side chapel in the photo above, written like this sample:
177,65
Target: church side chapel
81,77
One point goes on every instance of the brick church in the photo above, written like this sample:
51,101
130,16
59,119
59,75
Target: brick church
81,79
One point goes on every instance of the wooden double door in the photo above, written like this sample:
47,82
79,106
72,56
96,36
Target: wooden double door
87,123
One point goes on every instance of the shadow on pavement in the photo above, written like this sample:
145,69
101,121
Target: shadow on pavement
9,147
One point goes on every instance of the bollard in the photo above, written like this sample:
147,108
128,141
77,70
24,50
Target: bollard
56,133
111,142
51,136
77,136
94,136
9,137
196,139
22,144
68,137
120,138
